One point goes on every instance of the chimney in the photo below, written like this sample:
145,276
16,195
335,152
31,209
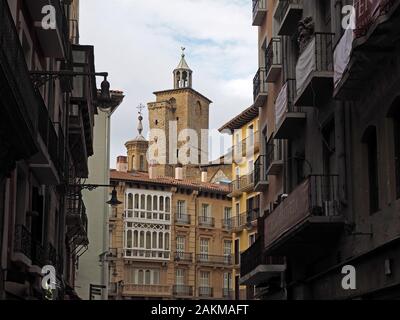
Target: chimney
204,176
122,164
179,172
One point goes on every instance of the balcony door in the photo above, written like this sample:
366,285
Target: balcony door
181,210
205,215
227,284
227,251
180,278
204,249
205,288
180,246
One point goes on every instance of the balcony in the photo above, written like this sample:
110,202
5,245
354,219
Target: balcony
48,163
151,291
273,59
371,44
308,220
289,118
18,95
54,42
183,257
182,219
260,174
259,12
246,148
147,254
245,220
212,260
260,88
227,294
182,291
23,246
206,222
77,220
206,292
243,184
257,268
314,71
288,14
82,109
274,158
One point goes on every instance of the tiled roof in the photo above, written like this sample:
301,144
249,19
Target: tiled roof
142,177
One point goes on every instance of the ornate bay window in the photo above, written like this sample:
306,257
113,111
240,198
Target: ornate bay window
147,225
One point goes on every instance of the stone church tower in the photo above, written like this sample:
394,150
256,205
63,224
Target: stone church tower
137,149
173,111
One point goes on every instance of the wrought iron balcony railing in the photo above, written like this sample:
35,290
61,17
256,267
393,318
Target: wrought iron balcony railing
227,293
244,219
206,292
260,87
260,173
23,241
255,256
243,184
206,221
273,59
183,257
182,290
259,11
181,218
204,258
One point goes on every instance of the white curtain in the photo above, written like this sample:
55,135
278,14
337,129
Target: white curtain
280,105
305,65
342,55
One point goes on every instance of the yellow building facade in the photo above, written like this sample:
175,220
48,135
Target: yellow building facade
244,129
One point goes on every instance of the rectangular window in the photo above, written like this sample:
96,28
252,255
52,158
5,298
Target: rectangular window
180,277
227,285
205,210
370,140
180,245
181,209
228,251
204,279
204,249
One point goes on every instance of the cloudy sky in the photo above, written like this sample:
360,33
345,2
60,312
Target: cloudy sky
138,42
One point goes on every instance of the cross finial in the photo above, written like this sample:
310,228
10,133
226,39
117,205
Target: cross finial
183,51
140,108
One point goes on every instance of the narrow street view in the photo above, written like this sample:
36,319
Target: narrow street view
209,150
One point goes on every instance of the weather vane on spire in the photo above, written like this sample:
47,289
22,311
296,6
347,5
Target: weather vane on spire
183,51
140,125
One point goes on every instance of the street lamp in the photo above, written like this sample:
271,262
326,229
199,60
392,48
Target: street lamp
113,202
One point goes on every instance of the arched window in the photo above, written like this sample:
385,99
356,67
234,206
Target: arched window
135,239
136,201
129,239
140,277
130,201
370,141
160,240
154,240
142,202
161,206
167,204
147,277
149,203
141,240
148,240
167,241
155,206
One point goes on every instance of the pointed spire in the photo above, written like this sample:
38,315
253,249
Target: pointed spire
183,64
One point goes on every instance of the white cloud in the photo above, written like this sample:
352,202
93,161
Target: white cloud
138,43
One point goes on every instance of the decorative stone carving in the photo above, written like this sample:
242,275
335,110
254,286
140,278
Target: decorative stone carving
306,29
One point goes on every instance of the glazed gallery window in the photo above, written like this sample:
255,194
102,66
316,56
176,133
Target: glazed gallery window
142,276
147,207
